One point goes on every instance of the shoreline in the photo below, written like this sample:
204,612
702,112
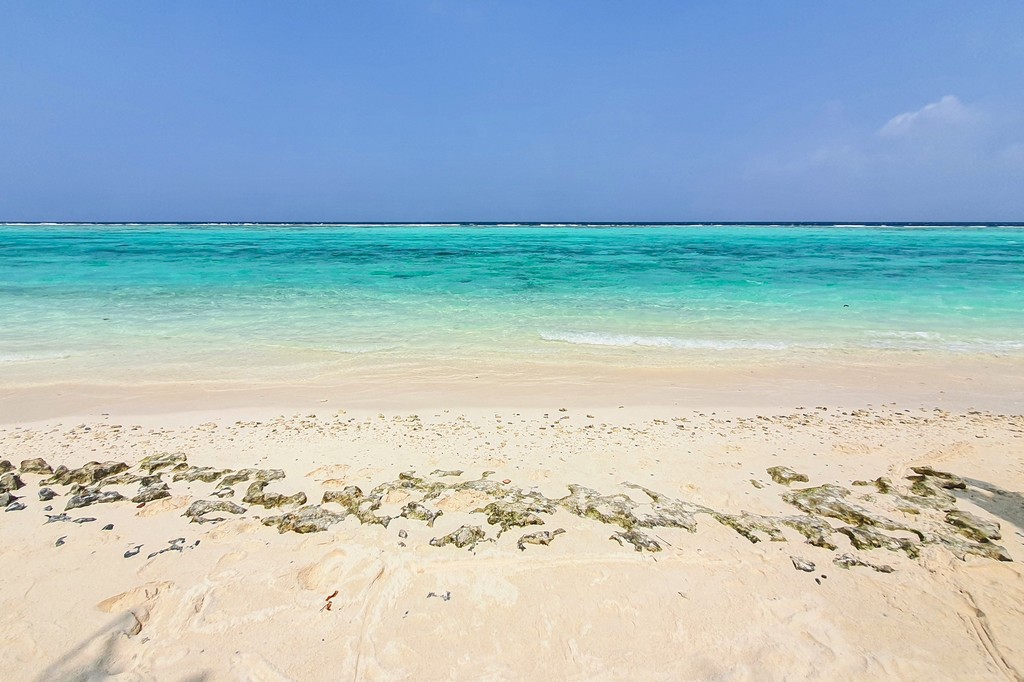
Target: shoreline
958,383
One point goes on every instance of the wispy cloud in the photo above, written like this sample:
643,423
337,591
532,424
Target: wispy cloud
948,111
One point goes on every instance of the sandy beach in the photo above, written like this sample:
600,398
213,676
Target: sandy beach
660,533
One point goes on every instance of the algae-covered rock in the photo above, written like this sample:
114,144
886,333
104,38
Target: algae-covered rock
972,526
85,499
639,541
667,512
541,537
256,495
309,519
848,561
817,531
518,512
785,475
151,493
36,465
944,478
162,461
5,466
358,505
961,547
882,485
6,499
830,500
243,475
588,503
87,474
10,482
198,510
418,512
866,538
464,537
749,525
204,474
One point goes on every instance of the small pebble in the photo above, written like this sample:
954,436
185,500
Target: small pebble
132,552
85,519
60,541
109,526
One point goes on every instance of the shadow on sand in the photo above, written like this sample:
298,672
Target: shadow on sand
95,657
1006,504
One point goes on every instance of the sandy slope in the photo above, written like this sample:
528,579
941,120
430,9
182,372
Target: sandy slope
248,602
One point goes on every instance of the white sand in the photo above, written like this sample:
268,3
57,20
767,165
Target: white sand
248,602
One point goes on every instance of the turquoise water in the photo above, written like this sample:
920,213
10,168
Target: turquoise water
138,296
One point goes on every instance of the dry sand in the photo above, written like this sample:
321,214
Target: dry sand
242,601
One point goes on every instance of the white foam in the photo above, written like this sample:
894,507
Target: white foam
631,340
32,357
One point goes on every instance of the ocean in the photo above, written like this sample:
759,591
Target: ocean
146,302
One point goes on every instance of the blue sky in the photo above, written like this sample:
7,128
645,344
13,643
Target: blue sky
399,110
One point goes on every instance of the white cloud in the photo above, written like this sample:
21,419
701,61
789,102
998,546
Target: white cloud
946,112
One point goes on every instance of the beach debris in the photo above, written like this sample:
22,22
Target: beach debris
132,552
256,495
848,561
152,493
87,498
327,606
785,475
463,537
14,506
176,545
36,465
756,483
973,527
418,512
60,541
802,564
87,474
47,494
443,596
639,541
198,510
541,537
309,519
403,534
10,482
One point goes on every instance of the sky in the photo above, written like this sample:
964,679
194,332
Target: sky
523,110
